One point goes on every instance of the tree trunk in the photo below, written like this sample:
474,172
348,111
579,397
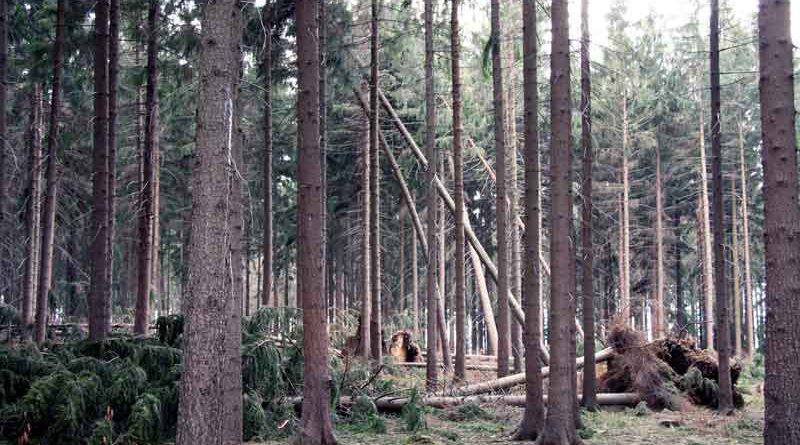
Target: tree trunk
533,418
99,292
113,85
401,298
146,223
705,224
33,212
315,424
781,223
486,302
5,268
366,245
748,283
503,319
625,233
659,323
209,304
458,193
720,281
432,203
51,184
266,61
415,288
560,423
587,249
737,290
375,329
680,305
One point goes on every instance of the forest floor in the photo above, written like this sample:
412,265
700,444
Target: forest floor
632,426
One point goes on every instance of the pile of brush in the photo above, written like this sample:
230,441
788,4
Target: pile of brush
669,373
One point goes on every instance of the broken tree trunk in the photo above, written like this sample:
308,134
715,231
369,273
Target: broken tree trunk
441,402
516,309
486,302
516,379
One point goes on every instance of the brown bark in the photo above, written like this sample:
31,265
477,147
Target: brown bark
4,146
587,249
737,290
503,319
232,384
146,221
401,297
415,288
366,246
680,305
315,424
781,224
431,374
560,423
705,224
659,324
720,282
748,283
208,303
533,418
51,184
113,85
375,329
625,234
458,193
266,62
99,293
486,302
33,214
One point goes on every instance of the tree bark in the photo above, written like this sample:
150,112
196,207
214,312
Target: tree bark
458,193
659,323
208,303
680,305
748,283
113,85
366,246
533,418
486,302
315,424
720,281
503,319
266,61
51,184
625,234
375,329
781,223
401,217
33,215
232,384
705,224
415,288
5,269
735,277
587,249
99,292
431,374
560,423
146,221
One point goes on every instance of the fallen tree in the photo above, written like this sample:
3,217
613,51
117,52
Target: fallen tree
518,379
469,366
441,402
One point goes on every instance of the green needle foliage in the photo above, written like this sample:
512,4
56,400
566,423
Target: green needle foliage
125,389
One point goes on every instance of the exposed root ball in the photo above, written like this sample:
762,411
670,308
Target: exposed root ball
402,348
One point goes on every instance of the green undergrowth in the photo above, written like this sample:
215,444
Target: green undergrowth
124,390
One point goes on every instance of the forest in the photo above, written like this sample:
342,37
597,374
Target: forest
321,222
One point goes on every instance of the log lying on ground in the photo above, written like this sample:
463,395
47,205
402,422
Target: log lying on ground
397,404
469,366
517,379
